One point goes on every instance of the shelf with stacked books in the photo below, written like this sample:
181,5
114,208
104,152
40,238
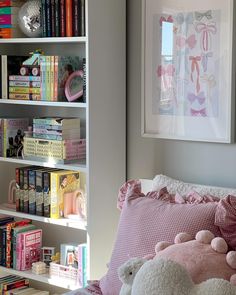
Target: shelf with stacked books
57,40
43,278
81,105
67,222
75,166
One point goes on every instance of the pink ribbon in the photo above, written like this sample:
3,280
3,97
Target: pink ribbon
195,67
165,71
191,41
169,19
206,30
198,113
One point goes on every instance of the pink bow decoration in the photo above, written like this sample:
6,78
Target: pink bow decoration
200,98
191,41
168,19
198,113
162,72
195,67
206,30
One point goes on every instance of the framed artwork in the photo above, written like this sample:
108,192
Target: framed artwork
188,70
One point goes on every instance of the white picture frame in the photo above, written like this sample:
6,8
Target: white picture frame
188,70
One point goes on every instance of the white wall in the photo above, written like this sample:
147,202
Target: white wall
206,163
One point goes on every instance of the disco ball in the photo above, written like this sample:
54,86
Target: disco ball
29,18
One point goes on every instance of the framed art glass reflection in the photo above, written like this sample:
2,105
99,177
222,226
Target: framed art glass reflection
188,70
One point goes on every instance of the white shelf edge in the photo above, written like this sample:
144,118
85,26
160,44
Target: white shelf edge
44,278
74,166
71,223
45,40
44,103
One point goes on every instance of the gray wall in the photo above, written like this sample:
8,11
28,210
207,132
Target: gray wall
206,163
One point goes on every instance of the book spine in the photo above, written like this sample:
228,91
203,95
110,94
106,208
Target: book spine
69,30
84,79
48,18
4,246
46,194
84,266
56,58
21,196
57,18
39,193
23,90
17,173
8,19
17,284
62,18
18,251
43,77
1,245
24,84
43,18
24,96
54,196
76,14
4,77
14,3
82,18
26,191
48,77
53,22
24,78
4,127
32,192
52,78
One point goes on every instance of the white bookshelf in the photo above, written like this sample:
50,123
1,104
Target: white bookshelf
103,119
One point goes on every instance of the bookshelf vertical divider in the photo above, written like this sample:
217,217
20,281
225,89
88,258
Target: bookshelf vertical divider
104,124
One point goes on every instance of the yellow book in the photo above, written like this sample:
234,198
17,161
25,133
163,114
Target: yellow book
65,185
24,90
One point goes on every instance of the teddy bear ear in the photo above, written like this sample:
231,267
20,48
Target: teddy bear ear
182,238
161,246
204,236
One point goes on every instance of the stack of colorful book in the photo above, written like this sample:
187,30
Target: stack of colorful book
8,19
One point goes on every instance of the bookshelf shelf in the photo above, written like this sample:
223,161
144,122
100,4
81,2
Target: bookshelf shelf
57,40
75,166
45,278
44,103
71,223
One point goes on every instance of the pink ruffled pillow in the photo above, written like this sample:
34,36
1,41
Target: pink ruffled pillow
226,219
148,219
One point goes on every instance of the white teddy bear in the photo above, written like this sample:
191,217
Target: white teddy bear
127,272
165,277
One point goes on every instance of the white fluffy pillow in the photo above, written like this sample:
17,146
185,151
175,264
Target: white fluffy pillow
174,185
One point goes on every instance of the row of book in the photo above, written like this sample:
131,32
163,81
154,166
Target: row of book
8,19
63,18
49,85
49,192
20,243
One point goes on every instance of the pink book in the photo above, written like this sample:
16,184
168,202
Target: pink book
28,248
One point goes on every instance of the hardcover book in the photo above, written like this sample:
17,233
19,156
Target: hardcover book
28,249
13,131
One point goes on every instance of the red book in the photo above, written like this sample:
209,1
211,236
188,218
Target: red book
62,19
69,29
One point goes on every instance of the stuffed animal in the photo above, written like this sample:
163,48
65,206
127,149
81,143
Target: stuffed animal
127,272
164,277
204,260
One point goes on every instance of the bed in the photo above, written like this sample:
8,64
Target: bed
157,209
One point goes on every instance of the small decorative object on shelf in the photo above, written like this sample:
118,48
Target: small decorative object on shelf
32,64
56,258
74,86
39,268
47,253
29,18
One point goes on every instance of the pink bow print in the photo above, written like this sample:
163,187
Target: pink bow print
206,30
200,98
195,67
162,72
191,41
169,19
198,113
